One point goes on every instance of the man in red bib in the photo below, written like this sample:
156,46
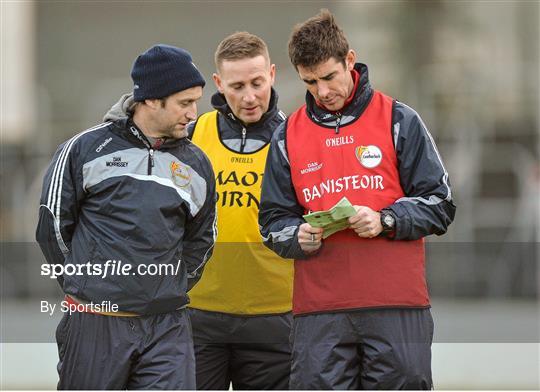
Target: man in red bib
361,308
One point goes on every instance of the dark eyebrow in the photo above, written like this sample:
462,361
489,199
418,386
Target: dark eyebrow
329,76
187,101
325,77
309,81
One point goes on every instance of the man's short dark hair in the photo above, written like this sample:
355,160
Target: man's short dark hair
317,40
240,45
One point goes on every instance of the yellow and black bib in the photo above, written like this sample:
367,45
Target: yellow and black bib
243,277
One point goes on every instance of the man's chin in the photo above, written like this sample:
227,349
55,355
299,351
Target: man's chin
251,118
334,106
179,133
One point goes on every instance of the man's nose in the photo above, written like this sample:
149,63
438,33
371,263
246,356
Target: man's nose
322,89
191,114
249,95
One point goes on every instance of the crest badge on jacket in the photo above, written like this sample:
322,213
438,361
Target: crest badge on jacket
180,174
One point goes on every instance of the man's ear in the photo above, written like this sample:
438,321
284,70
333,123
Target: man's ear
350,60
218,82
153,104
272,73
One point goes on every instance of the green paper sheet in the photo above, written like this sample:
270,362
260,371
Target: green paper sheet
334,219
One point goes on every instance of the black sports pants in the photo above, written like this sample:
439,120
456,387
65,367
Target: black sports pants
109,352
366,349
249,352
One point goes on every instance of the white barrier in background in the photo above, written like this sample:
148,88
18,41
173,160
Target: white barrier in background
455,366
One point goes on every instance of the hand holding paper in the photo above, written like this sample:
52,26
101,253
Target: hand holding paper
334,219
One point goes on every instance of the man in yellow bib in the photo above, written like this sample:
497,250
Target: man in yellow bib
241,308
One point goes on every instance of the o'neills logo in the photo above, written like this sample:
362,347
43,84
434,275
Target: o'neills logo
180,174
369,156
339,141
102,145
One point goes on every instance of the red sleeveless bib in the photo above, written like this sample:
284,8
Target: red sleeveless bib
360,163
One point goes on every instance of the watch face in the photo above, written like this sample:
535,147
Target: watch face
388,220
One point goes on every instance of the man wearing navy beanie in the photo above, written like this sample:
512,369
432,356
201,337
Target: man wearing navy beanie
162,72
129,206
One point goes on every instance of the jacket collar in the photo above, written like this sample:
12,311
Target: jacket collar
351,111
132,132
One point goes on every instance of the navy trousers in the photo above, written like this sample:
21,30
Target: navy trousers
109,352
251,352
365,349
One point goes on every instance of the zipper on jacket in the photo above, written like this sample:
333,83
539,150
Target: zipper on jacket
338,121
150,160
144,140
243,139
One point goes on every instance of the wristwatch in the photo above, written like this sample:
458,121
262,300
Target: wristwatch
388,222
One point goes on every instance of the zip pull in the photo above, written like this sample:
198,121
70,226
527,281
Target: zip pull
338,121
243,139
150,160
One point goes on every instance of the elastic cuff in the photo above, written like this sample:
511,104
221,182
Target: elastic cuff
403,221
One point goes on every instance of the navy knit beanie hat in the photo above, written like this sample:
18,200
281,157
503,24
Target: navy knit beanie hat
164,70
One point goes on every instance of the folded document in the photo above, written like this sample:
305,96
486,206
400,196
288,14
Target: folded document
334,219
